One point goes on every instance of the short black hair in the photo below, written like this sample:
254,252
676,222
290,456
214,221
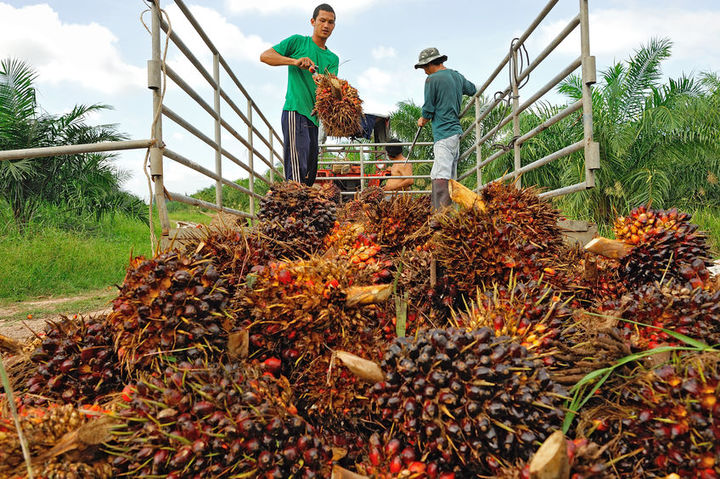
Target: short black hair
325,8
393,150
438,61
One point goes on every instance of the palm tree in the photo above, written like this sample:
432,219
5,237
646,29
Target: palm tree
86,183
658,142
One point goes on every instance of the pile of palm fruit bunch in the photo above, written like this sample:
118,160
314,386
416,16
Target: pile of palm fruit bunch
75,363
471,401
296,218
338,106
170,307
663,421
319,339
665,245
62,440
215,421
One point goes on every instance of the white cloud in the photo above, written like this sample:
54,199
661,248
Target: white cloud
381,52
86,55
374,79
381,90
273,6
615,34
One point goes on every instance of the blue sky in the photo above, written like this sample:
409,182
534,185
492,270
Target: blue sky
95,51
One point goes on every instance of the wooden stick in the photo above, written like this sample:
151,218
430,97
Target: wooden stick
609,248
464,196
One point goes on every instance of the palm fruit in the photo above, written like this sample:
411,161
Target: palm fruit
650,307
351,242
43,428
400,222
296,218
532,313
662,422
172,307
215,421
372,195
426,303
666,246
394,458
476,400
294,311
516,235
75,363
338,106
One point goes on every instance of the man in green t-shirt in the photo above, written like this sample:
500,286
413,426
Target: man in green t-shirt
304,56
444,89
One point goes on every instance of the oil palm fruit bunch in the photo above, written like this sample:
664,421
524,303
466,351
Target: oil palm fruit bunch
516,235
43,427
400,222
650,307
294,311
666,246
170,306
296,217
531,313
75,362
474,399
390,457
584,459
350,240
199,420
372,195
665,421
233,251
338,106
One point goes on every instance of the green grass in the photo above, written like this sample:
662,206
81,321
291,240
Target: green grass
51,261
709,221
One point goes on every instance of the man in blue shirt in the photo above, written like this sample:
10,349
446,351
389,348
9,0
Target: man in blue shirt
444,89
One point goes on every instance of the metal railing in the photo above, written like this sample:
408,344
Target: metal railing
517,77
157,69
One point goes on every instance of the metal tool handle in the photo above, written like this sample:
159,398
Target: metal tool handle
417,134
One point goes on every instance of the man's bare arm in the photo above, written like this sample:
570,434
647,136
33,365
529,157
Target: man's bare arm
273,58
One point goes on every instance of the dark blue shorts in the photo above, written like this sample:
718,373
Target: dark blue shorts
300,147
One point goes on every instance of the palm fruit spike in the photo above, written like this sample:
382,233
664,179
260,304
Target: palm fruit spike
693,313
400,222
475,399
531,313
663,422
294,311
665,246
170,306
215,421
516,234
296,218
75,362
393,458
338,106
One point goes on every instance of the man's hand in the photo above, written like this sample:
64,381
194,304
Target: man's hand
306,64
422,121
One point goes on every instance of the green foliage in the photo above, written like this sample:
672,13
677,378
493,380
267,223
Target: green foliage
233,198
86,184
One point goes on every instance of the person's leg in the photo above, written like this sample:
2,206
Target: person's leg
442,171
292,145
312,161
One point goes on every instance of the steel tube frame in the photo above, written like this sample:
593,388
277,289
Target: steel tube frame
156,156
204,204
9,155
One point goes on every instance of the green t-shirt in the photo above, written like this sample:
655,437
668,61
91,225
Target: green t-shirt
300,96
444,90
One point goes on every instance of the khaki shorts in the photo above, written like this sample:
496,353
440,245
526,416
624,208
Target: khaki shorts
447,153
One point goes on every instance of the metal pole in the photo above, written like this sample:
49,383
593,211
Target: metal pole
516,114
592,148
218,131
478,148
272,157
156,151
362,168
251,154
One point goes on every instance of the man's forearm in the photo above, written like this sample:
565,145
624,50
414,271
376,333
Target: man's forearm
273,58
